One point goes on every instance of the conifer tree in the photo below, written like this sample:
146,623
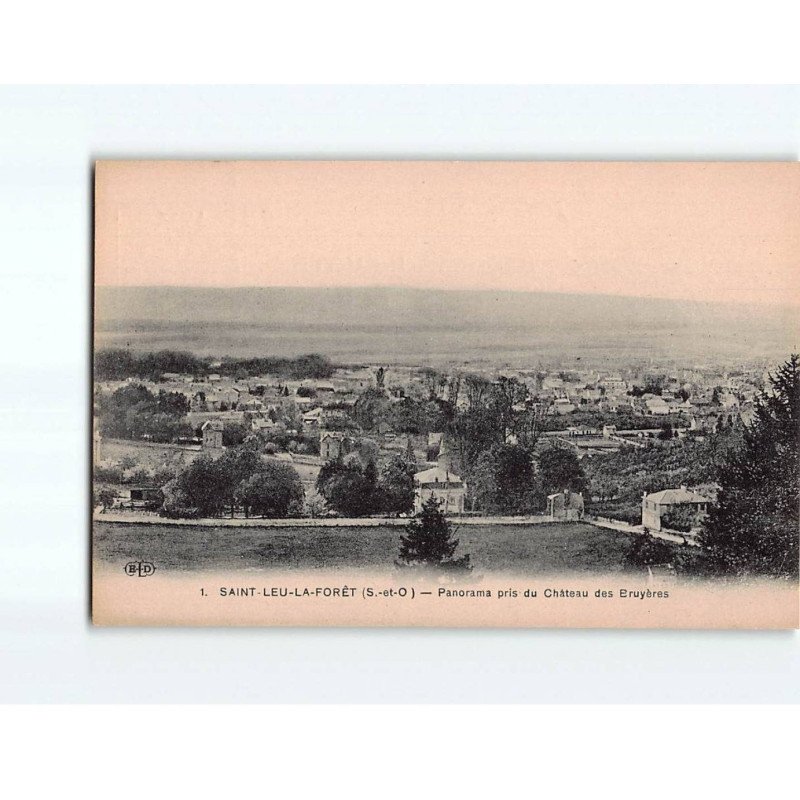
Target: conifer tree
753,527
428,541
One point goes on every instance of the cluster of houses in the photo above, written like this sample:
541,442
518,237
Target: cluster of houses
702,398
438,481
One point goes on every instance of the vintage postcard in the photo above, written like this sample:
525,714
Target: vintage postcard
473,394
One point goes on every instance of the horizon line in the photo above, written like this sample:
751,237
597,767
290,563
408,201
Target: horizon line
471,290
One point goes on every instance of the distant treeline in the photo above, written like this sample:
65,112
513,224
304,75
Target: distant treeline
118,364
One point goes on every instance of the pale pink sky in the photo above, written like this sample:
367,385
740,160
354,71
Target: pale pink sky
706,231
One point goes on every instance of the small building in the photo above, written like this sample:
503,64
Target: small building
657,405
312,419
656,504
442,484
562,406
334,445
140,498
262,424
212,435
565,505
250,404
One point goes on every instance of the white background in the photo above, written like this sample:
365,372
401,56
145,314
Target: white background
48,140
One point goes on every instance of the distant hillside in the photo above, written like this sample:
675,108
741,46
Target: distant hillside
395,324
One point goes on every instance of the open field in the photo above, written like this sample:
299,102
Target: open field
565,548
146,454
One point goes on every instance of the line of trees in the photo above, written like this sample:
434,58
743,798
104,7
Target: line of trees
119,364
134,412
238,480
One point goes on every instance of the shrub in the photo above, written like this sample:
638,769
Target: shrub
429,542
649,552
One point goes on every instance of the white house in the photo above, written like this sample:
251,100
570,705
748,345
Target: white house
442,484
656,504
657,405
562,406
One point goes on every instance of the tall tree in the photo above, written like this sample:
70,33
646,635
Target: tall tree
753,526
204,486
349,488
274,491
473,431
560,469
397,485
503,480
507,395
371,407
477,390
528,425
429,541
433,380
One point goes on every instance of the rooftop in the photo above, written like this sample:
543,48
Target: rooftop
676,496
436,474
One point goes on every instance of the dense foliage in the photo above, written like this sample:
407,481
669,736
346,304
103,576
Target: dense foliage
681,518
620,479
118,364
354,488
410,415
753,527
240,478
560,470
349,488
503,481
274,490
646,551
134,412
429,542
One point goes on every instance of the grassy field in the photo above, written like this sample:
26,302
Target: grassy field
145,454
558,548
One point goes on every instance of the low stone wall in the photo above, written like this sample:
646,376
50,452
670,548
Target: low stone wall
141,518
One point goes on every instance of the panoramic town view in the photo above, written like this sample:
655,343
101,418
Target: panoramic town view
535,455
468,370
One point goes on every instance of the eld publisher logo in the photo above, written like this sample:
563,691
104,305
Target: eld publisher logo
140,569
